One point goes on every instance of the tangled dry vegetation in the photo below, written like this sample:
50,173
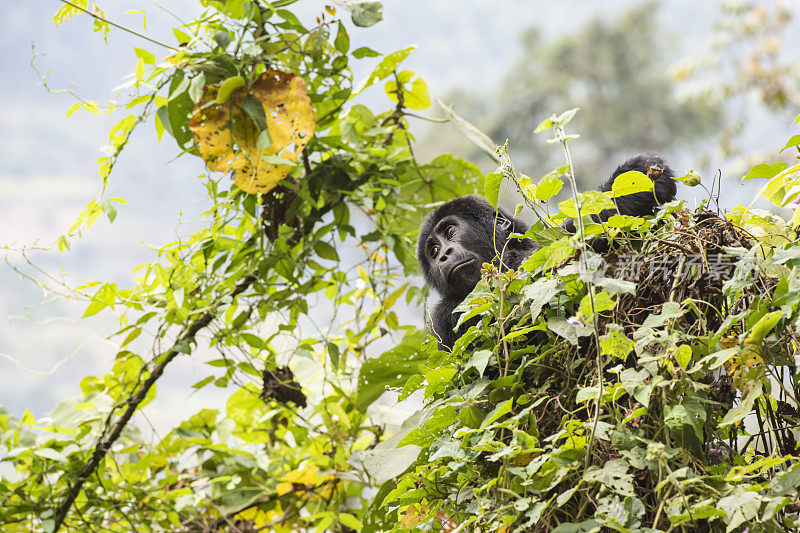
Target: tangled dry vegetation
686,260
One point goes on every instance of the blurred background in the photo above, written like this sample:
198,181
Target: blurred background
713,86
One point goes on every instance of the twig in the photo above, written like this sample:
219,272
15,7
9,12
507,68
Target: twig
104,442
590,290
123,28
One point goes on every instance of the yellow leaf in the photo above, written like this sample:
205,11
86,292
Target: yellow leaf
67,11
73,108
283,488
413,515
307,476
139,72
227,137
259,516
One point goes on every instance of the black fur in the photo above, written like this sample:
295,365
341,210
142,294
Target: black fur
458,237
454,241
640,203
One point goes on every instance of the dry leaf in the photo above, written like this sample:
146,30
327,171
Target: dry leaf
227,137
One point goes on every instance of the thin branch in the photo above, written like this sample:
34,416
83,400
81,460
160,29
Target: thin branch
123,28
561,136
104,443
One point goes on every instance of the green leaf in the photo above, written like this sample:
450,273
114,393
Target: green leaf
292,22
360,53
470,416
568,206
109,210
255,110
617,345
383,464
350,521
789,481
203,382
669,311
342,41
594,202
178,89
551,255
365,14
743,409
545,125
491,187
414,90
602,302
177,295
539,294
438,376
478,361
548,187
387,65
631,182
223,39
175,115
326,251
180,36
228,87
566,116
145,56
480,139
497,412
686,420
50,453
765,324
794,141
683,356
475,311
391,369
766,171
264,140
715,360
94,307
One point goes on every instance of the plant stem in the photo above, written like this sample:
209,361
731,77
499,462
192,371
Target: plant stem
559,130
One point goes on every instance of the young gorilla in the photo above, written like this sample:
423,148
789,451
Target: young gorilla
456,238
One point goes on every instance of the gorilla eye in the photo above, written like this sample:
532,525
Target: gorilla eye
434,250
449,231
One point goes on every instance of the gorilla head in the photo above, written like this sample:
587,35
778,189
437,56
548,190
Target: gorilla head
638,204
643,203
454,241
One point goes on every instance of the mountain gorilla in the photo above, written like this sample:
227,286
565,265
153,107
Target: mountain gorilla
456,238
454,241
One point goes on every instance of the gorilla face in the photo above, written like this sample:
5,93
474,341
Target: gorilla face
458,237
454,241
455,252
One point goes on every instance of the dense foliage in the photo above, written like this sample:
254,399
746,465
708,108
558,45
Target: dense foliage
588,397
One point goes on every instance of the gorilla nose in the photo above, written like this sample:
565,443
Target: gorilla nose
446,254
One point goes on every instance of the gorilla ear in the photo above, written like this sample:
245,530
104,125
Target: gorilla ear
503,223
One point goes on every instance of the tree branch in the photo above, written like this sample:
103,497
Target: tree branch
104,443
